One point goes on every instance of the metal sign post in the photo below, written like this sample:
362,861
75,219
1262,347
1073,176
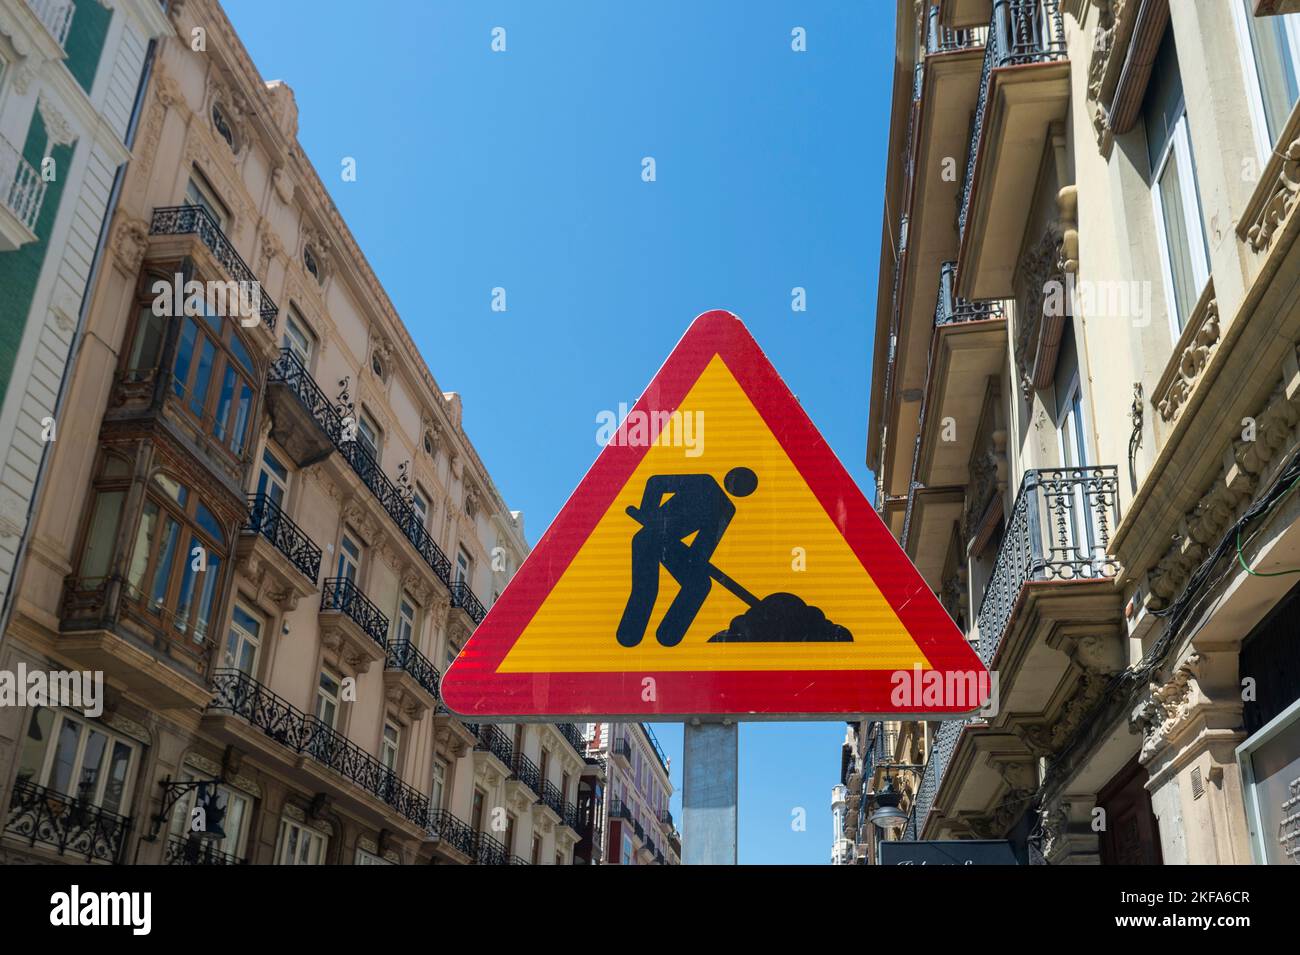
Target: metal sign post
710,769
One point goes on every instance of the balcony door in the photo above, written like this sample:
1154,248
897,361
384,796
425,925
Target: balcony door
1069,506
349,565
243,642
273,479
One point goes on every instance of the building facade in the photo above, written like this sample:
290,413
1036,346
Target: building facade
70,76
1084,400
637,824
265,526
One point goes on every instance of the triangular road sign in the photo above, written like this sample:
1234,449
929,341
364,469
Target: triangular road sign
717,560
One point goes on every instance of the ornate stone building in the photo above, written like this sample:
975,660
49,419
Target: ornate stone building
1083,421
265,526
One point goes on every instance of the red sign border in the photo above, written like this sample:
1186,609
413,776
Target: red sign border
472,687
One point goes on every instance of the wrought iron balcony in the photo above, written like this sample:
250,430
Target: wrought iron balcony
238,694
186,850
341,595
622,748
463,597
267,519
392,501
949,309
22,191
620,810
942,39
638,829
1020,32
571,733
55,15
66,823
666,819
489,850
303,419
654,745
659,858
492,739
1059,529
196,220
553,798
570,816
452,830
526,771
941,749
404,655
519,860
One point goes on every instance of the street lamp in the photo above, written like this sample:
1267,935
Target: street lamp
887,816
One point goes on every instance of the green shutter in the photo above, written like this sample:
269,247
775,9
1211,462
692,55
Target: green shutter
21,269
85,42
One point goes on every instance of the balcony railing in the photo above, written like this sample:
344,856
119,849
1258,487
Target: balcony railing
941,749
654,745
196,220
184,850
620,810
942,39
66,823
519,860
267,519
452,830
622,748
1059,529
342,595
492,739
21,188
571,733
489,850
638,829
526,771
666,818
403,655
1020,32
237,693
949,309
56,15
288,370
553,798
463,597
570,816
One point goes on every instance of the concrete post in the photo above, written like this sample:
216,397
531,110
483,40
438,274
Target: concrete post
710,757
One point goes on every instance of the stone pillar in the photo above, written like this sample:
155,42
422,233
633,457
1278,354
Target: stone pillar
1191,723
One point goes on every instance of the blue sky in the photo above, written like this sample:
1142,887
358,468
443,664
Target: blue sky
522,170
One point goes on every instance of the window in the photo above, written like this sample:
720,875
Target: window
476,810
327,700
1174,191
101,536
299,845
225,809
627,850
564,785
544,764
453,650
420,504
243,641
464,566
1270,54
349,558
439,786
213,378
405,622
297,339
369,436
78,758
175,563
510,832
273,479
310,264
559,859
389,746
536,858
222,126
369,858
198,192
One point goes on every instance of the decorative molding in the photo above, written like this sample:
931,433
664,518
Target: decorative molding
129,242
1191,355
1273,201
56,125
1167,706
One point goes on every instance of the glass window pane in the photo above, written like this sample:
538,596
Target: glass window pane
207,595
239,429
202,378
220,424
1274,66
1177,241
208,521
166,559
92,762
241,352
65,756
32,757
148,341
143,546
115,787
1163,103
103,534
184,357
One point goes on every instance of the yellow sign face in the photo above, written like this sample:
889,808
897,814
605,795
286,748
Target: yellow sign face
781,540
